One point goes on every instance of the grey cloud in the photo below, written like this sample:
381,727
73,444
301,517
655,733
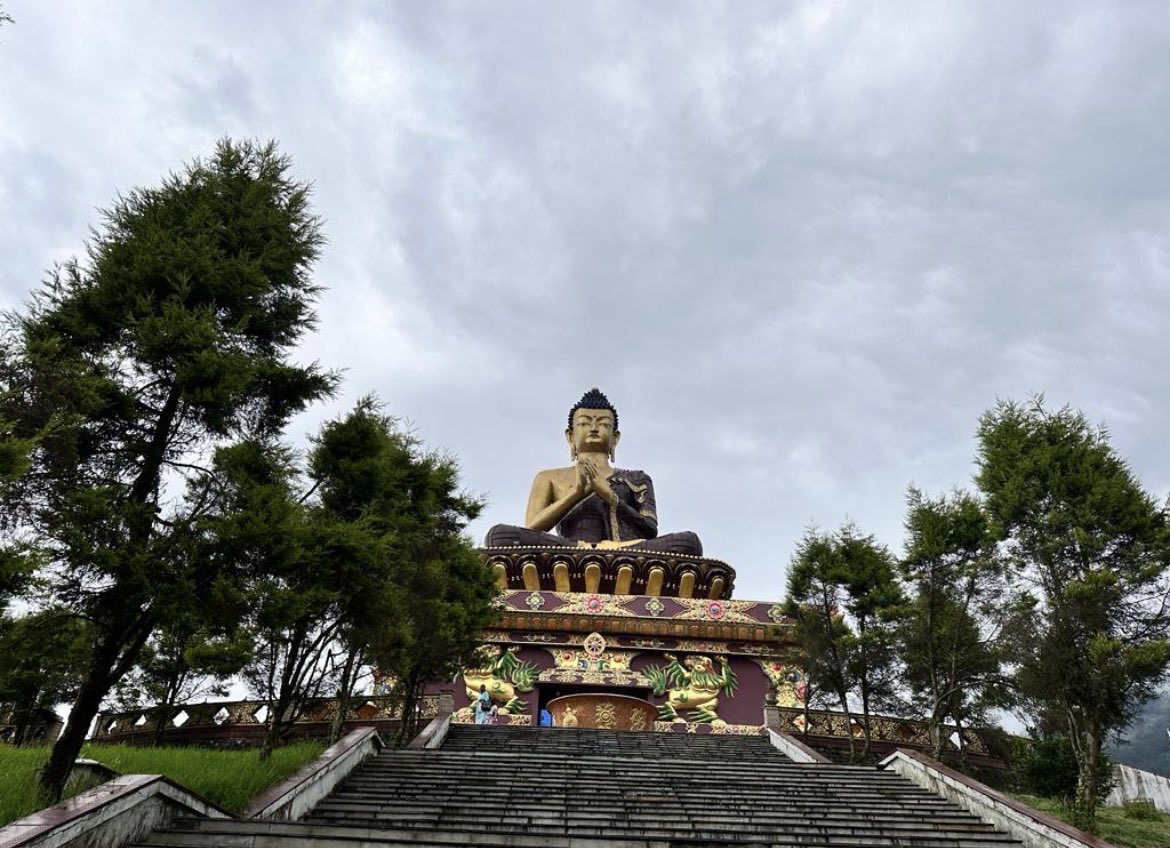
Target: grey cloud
802,247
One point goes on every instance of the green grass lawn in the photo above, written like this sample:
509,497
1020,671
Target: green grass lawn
227,778
1113,823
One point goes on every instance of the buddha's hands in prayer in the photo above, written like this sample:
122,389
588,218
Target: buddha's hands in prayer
596,479
584,486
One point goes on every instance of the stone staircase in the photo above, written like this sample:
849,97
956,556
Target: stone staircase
524,787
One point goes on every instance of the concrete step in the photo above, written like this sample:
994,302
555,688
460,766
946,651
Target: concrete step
651,826
247,834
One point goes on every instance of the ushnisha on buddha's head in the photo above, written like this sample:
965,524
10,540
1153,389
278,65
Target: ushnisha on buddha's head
593,426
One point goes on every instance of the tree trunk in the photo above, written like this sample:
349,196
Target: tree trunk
935,730
406,730
72,738
343,695
115,649
808,695
274,724
285,709
279,705
120,640
1086,742
22,717
20,731
277,722
169,702
864,718
160,725
271,729
843,697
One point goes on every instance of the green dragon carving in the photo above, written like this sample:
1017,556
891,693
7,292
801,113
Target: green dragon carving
506,676
694,686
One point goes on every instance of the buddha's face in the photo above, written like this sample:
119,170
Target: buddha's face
592,431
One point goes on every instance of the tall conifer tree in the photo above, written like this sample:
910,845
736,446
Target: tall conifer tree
1090,550
172,336
844,595
948,638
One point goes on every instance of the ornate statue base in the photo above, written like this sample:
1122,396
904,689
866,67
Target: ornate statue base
684,663
611,571
604,711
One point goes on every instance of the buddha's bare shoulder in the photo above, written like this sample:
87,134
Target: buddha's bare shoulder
556,474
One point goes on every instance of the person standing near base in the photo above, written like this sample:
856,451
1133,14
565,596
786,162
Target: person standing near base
483,705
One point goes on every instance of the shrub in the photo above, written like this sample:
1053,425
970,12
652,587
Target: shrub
1141,809
1049,768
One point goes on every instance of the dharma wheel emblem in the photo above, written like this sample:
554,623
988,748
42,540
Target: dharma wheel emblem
594,645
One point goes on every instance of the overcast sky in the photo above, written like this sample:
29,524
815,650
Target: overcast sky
801,245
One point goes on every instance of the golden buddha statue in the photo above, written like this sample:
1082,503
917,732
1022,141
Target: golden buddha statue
591,503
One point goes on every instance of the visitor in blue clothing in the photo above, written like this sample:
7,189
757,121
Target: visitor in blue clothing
483,705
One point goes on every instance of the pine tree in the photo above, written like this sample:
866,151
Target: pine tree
816,599
1090,550
874,602
171,337
368,564
948,639
419,612
844,595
